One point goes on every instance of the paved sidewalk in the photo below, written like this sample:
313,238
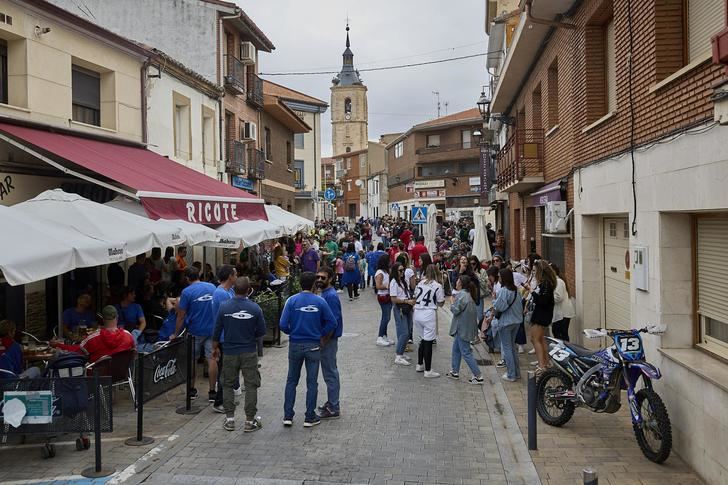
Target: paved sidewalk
604,442
396,427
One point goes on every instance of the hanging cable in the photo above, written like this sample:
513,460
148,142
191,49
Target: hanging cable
386,68
631,116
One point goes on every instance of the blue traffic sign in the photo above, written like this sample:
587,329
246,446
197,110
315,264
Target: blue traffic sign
329,194
419,215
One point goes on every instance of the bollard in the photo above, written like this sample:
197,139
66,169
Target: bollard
97,471
139,439
532,441
591,477
188,408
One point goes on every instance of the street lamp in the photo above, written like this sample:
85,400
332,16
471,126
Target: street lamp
484,107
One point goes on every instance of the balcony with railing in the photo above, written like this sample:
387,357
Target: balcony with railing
234,74
236,160
520,162
256,164
443,153
255,90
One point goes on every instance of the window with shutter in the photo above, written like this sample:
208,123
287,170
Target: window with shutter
705,19
712,283
610,67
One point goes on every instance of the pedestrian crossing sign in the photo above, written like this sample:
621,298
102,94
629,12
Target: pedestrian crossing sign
419,215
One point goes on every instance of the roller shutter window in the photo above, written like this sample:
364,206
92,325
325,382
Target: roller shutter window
705,19
712,284
611,67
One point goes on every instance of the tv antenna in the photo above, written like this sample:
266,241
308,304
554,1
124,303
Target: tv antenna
437,93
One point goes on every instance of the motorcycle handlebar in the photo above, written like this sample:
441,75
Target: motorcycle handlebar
610,332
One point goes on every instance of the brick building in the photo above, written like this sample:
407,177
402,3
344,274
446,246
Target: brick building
437,162
615,107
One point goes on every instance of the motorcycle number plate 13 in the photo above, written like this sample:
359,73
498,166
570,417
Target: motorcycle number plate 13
630,345
559,355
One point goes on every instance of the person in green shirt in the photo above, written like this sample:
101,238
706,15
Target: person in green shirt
331,250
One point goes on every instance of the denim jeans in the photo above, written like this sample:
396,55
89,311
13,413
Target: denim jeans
386,315
404,324
331,371
300,353
509,351
461,350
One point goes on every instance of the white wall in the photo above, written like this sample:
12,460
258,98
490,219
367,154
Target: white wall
160,122
687,174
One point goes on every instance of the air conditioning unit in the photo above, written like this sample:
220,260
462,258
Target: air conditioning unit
247,52
250,131
555,222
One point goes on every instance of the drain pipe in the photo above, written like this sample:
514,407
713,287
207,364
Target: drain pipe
550,23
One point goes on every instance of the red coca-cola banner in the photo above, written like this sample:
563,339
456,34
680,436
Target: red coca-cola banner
209,212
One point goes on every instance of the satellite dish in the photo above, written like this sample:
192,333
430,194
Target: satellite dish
359,183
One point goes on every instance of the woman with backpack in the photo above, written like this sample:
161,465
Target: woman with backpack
381,283
352,276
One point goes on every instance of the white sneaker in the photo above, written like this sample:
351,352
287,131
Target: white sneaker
238,391
534,363
431,374
401,361
407,357
339,291
382,342
391,342
420,368
520,349
532,351
509,379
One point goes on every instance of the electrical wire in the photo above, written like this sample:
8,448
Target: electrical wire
385,68
632,116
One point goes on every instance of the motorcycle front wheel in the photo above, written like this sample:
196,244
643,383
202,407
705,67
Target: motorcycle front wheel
554,412
654,434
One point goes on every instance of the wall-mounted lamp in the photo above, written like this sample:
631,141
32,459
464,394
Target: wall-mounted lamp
41,30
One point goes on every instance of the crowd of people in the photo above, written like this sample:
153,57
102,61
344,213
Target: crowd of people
494,301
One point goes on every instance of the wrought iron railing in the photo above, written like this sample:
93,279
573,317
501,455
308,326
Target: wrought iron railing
234,73
520,157
255,90
447,148
235,161
256,164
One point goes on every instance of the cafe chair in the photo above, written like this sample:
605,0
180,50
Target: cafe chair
41,344
119,367
7,374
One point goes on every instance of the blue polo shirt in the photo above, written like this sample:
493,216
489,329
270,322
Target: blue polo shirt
332,298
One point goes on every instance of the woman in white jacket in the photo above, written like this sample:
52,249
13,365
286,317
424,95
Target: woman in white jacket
563,308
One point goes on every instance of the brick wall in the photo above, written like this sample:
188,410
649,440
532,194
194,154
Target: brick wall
278,170
576,60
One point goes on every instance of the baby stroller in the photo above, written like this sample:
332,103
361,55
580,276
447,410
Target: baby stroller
73,394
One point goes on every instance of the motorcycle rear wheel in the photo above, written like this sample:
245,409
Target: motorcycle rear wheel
554,412
654,435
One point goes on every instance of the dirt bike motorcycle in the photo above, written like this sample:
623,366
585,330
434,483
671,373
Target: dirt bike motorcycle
594,379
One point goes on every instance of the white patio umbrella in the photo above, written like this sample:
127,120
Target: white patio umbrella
481,248
289,222
194,233
102,222
34,248
250,232
430,229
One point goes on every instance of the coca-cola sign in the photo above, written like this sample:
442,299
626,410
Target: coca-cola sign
165,371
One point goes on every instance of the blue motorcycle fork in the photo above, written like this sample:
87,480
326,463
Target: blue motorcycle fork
630,376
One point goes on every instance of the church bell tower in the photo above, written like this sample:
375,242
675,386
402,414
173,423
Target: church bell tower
349,110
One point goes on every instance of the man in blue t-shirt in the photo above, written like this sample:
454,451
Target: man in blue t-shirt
226,275
307,319
80,315
330,344
372,258
195,306
310,260
130,314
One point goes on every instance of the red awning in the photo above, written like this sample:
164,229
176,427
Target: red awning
167,189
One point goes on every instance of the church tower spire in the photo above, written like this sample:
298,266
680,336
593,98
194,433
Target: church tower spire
348,75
